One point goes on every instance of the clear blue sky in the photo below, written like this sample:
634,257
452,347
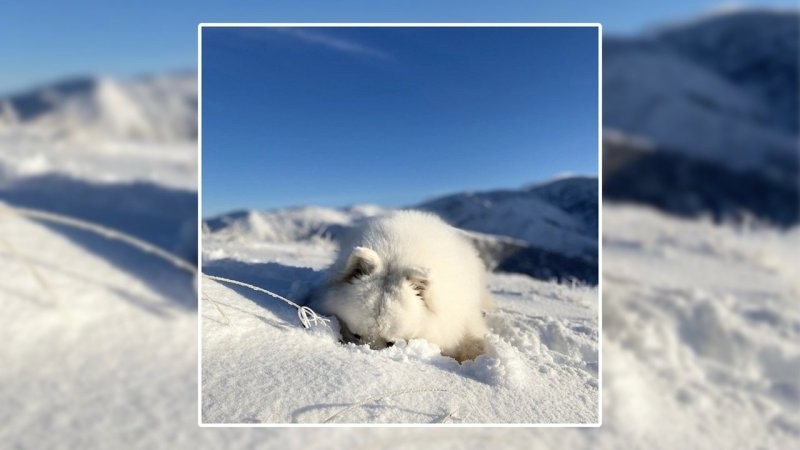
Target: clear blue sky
337,116
45,40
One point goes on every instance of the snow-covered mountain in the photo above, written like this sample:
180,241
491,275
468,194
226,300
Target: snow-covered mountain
693,187
559,215
548,231
287,225
756,51
159,108
701,117
117,152
722,89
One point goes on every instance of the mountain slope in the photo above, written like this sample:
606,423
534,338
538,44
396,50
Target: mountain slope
559,215
157,108
714,89
692,187
756,51
548,231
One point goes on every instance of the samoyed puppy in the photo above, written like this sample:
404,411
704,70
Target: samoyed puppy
406,276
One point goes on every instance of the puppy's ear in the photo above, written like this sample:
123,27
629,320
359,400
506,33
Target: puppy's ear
418,278
361,263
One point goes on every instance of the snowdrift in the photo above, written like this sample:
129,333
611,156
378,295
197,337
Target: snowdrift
260,366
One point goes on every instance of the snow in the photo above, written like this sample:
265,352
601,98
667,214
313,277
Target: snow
700,331
259,365
719,89
658,93
754,49
104,131
558,215
548,231
172,165
157,108
287,225
119,323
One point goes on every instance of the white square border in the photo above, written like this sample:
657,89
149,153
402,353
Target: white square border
199,282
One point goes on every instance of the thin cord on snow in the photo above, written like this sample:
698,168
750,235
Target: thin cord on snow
216,305
306,315
106,232
381,397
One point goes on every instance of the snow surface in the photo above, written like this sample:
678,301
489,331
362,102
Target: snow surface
701,324
25,154
700,348
260,366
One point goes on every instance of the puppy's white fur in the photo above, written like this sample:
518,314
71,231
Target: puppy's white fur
407,276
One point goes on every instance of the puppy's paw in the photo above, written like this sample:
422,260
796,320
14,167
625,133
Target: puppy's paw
470,348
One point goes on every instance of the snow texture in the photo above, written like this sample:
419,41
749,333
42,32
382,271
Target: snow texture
700,321
260,366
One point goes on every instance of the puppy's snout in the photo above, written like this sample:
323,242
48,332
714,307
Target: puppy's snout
390,343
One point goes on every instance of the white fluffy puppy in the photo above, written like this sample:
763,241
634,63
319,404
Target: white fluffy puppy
406,276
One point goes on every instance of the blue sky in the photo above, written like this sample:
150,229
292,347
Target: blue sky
337,116
45,40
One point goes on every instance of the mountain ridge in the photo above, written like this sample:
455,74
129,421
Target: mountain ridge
159,107
524,230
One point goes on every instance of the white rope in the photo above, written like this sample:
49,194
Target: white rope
106,232
306,315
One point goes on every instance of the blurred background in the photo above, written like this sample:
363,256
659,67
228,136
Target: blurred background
700,280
